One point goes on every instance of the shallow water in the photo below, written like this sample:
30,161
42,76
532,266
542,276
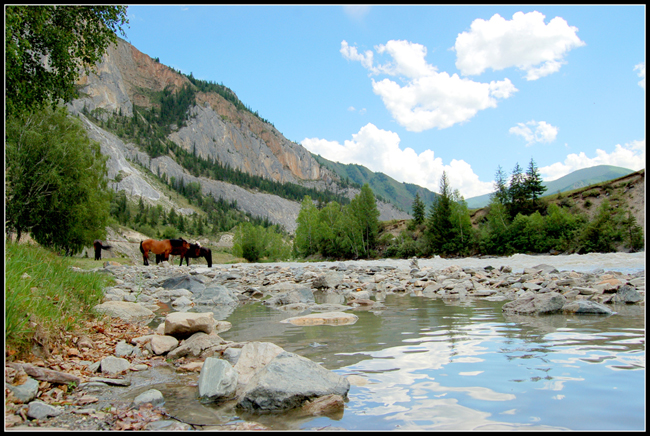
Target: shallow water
435,365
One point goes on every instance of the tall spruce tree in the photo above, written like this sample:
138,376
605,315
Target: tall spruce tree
419,209
440,229
533,186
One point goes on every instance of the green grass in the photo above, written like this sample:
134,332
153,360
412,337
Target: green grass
43,297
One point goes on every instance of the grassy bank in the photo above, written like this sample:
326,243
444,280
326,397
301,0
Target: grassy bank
44,297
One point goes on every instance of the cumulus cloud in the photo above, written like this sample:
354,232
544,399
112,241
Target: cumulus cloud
525,42
641,73
630,155
379,150
543,132
428,98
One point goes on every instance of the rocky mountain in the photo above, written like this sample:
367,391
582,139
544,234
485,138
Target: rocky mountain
214,127
400,194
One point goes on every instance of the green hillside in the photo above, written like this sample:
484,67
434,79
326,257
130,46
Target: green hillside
384,187
574,180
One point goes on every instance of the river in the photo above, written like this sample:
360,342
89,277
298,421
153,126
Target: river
427,364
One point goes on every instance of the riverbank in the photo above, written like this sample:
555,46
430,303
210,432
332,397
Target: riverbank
299,289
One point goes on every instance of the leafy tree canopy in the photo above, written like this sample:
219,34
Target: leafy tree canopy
55,180
47,46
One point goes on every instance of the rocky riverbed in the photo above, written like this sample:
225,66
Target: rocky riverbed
166,320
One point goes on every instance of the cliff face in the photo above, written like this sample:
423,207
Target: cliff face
216,129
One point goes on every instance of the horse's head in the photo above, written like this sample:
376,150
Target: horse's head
186,245
207,253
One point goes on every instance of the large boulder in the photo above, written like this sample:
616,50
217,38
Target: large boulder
184,324
536,304
218,380
253,357
287,382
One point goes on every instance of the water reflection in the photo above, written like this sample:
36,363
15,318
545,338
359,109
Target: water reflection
432,365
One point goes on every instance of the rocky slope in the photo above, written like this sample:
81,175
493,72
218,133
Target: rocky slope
215,129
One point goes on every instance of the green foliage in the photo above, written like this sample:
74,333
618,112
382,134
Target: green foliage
55,180
43,295
306,239
419,210
47,46
255,243
449,231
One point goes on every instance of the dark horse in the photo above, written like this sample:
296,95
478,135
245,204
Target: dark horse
163,248
195,251
98,248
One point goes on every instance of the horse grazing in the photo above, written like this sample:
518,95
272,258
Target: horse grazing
98,248
163,248
195,251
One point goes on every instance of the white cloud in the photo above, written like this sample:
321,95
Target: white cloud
379,150
428,99
351,54
351,109
630,155
641,73
544,132
524,42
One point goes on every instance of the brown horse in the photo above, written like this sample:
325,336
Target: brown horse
195,251
99,245
163,248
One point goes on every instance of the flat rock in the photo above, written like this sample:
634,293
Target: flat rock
326,318
124,310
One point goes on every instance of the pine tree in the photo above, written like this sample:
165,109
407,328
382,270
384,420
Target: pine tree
440,229
418,209
533,185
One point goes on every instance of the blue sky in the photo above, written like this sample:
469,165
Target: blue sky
413,91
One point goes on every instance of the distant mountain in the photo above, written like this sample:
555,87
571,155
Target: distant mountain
574,180
384,187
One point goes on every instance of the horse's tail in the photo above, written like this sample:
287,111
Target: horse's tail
141,249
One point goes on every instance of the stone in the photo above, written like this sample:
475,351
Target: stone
586,307
122,349
184,324
545,303
329,405
25,392
163,344
626,294
182,302
197,345
218,380
191,283
114,365
303,296
287,381
40,410
124,310
328,280
253,357
153,396
326,318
